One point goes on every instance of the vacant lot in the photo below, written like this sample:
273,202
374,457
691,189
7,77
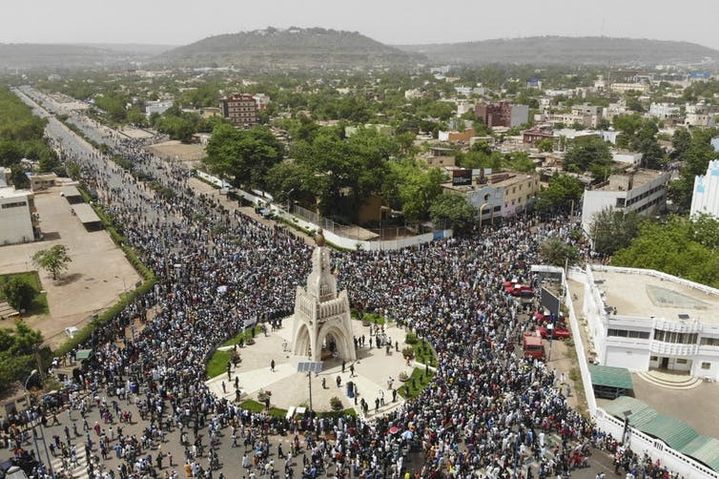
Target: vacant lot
176,151
98,274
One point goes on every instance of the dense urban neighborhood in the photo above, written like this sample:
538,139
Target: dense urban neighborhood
300,252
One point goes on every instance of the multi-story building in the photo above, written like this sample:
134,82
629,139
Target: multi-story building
499,194
663,110
643,191
629,87
16,216
240,109
699,115
705,198
159,107
502,114
643,319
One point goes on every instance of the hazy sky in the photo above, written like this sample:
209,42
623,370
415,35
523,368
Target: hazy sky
390,21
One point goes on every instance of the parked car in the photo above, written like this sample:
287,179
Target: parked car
560,332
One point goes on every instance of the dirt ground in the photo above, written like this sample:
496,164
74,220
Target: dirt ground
135,133
175,151
97,275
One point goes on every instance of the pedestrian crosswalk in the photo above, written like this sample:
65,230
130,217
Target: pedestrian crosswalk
76,471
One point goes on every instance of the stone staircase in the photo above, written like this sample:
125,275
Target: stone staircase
669,380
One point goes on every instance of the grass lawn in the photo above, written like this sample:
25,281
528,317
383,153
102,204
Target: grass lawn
243,336
423,353
218,363
410,389
254,406
39,304
373,318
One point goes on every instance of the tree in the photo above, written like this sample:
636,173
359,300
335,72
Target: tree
590,154
243,156
676,246
545,145
452,211
18,293
556,252
53,260
612,230
560,193
413,188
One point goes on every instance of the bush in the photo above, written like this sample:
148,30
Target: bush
403,376
408,353
18,293
411,338
336,403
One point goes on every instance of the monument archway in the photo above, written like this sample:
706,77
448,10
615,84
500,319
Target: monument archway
322,325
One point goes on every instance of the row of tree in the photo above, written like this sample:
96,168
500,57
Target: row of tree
22,136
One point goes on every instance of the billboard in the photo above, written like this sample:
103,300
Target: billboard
461,177
549,301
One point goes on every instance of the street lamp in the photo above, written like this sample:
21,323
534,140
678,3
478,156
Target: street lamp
27,397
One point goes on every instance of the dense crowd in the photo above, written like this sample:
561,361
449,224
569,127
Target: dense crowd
489,412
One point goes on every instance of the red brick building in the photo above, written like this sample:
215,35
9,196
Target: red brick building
241,110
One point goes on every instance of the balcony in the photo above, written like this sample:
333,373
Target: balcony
673,349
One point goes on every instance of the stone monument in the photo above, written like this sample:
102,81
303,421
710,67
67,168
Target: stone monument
322,325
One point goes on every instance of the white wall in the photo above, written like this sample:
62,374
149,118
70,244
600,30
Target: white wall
16,222
595,201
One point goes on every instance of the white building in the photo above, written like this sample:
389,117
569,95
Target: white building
16,222
629,87
631,158
663,110
262,100
705,198
643,319
699,115
159,107
643,191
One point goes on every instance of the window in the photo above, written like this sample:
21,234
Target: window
623,333
653,358
681,361
674,337
710,342
16,204
706,365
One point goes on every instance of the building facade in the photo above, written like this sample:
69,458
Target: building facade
241,110
643,191
705,198
647,320
500,194
17,224
502,114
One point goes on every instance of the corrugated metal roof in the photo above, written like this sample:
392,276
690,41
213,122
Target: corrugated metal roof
705,450
674,432
619,378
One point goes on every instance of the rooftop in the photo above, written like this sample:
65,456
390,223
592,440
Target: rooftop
643,294
85,213
511,179
11,192
629,181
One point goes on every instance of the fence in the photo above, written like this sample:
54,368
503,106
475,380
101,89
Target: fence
310,221
639,442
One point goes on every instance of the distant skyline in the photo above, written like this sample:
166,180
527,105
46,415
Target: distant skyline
179,22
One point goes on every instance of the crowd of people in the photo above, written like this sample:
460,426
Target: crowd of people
489,412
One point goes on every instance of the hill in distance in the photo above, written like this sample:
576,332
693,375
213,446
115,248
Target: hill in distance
36,56
552,50
292,47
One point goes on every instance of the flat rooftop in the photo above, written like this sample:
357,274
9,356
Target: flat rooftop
11,192
630,181
644,295
85,213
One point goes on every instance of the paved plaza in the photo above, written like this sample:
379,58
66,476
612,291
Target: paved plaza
373,370
97,275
